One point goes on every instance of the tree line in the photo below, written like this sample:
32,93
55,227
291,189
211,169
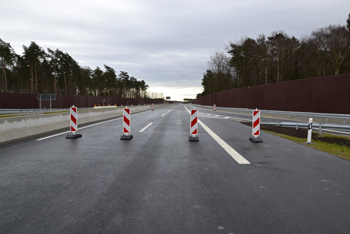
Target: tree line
54,71
278,58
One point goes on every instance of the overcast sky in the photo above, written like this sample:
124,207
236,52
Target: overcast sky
165,43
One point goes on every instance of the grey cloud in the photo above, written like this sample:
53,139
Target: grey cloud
166,43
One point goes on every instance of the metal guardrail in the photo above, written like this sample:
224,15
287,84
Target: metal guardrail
287,113
18,111
29,111
311,114
320,126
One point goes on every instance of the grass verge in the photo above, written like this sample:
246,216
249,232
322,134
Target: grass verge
8,116
321,143
337,145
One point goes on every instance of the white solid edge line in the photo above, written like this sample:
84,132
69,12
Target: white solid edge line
146,127
233,153
163,114
44,138
40,139
82,128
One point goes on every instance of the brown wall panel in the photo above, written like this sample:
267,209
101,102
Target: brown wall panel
29,101
328,94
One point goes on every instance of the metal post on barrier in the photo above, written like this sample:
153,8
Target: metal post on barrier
73,123
256,127
126,125
193,126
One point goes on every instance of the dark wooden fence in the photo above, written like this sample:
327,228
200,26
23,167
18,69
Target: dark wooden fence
329,94
29,101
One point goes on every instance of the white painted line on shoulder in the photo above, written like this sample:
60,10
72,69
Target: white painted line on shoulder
233,153
163,114
99,123
58,134
227,117
146,127
44,138
84,127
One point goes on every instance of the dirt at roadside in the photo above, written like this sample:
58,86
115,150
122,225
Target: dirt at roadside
302,133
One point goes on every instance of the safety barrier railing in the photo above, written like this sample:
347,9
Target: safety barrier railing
18,111
321,117
320,126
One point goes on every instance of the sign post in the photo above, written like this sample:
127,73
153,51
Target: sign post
256,127
193,126
126,125
46,97
73,123
309,131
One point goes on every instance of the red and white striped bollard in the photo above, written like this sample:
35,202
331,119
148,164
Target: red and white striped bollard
193,126
152,107
73,123
214,107
256,127
126,125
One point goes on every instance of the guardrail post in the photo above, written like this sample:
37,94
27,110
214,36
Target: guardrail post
320,129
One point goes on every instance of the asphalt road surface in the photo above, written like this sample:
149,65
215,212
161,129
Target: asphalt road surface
160,182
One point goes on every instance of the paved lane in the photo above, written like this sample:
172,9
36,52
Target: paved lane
159,182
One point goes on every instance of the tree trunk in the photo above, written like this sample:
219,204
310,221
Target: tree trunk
36,79
65,83
4,82
31,78
54,81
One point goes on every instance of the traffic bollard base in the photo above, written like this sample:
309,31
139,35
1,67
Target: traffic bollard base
73,136
256,140
193,138
308,143
126,137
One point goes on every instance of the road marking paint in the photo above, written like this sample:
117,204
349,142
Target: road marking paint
107,121
227,117
99,123
44,138
146,127
163,114
233,153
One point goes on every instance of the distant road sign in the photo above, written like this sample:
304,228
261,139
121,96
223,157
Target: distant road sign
44,97
167,97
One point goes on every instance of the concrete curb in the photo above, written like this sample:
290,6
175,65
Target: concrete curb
15,128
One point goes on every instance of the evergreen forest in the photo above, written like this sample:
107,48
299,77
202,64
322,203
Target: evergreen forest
278,58
56,72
